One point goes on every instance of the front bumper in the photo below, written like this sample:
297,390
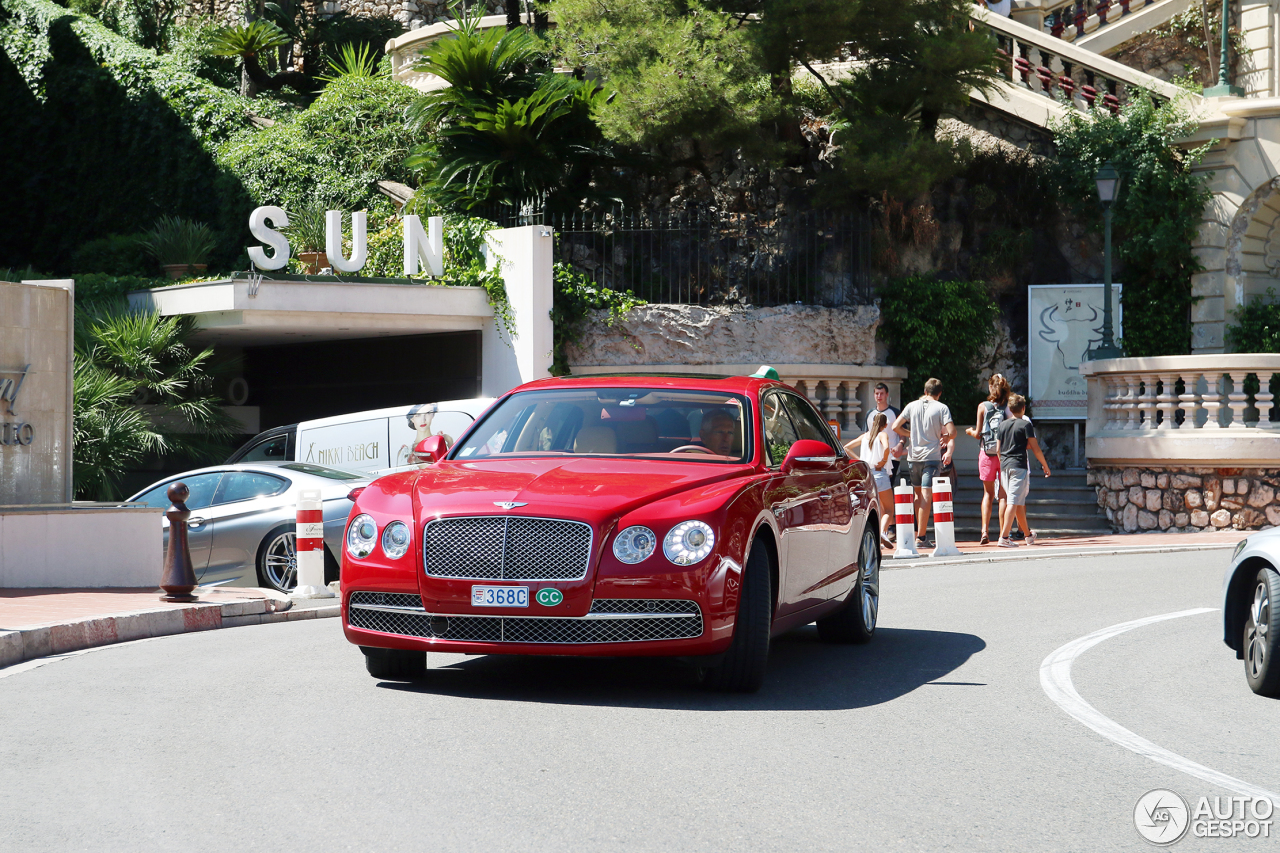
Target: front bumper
612,627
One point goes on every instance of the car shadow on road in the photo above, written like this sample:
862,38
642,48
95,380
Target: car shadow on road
804,674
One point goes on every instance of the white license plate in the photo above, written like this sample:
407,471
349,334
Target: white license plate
499,596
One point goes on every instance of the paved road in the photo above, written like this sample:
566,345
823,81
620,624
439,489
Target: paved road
937,736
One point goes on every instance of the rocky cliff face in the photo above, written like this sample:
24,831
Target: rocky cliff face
690,334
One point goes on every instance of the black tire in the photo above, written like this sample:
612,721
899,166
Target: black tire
856,621
743,666
394,664
281,578
1262,636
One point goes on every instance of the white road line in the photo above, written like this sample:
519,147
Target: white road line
1055,678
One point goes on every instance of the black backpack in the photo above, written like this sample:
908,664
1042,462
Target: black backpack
992,415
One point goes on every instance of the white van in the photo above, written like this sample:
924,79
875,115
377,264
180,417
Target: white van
372,441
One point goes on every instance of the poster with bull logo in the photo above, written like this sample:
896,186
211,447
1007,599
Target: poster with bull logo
1064,322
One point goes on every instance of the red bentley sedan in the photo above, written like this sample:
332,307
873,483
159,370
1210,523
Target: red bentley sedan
688,516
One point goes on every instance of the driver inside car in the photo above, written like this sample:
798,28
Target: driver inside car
719,432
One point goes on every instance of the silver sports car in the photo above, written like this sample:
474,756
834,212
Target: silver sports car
1250,612
241,529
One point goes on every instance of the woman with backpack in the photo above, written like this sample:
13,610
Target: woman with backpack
991,412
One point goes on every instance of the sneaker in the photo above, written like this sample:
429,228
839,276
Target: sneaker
1031,538
1017,534
1006,543
921,542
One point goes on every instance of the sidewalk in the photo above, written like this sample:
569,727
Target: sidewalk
1117,543
40,622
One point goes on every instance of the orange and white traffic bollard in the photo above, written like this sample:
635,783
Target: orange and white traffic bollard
309,547
904,515
944,522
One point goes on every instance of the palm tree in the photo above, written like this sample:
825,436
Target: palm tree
140,389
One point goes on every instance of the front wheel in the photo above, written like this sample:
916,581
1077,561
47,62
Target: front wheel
1261,630
394,664
856,621
742,669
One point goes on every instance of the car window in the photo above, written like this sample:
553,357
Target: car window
806,420
202,487
272,449
779,432
321,471
246,485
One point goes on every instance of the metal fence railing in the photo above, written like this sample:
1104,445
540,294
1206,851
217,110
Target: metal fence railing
714,258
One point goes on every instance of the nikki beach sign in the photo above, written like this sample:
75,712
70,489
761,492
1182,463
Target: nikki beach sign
423,250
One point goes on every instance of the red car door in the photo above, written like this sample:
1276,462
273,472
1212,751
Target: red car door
799,501
842,500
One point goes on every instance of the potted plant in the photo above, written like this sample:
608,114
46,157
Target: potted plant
180,245
306,233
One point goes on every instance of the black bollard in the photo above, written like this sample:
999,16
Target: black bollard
179,578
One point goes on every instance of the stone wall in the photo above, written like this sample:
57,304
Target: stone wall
690,334
1186,500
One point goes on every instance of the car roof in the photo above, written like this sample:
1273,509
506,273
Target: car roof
255,467
749,385
474,407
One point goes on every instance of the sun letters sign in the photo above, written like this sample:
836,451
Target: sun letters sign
423,250
13,432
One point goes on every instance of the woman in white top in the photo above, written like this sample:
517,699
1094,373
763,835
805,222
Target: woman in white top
874,450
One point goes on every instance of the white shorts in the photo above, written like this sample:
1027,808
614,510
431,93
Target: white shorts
884,482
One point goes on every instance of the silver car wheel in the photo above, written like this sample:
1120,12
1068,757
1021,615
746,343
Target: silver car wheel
1260,624
281,562
870,579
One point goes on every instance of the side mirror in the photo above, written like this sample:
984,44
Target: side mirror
808,454
430,450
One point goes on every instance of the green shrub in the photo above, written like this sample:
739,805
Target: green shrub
115,254
330,154
175,240
1257,326
104,136
99,289
938,329
574,296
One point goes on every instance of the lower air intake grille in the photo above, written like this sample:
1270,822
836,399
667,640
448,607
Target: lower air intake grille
610,621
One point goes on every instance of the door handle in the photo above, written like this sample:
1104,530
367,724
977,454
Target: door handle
195,523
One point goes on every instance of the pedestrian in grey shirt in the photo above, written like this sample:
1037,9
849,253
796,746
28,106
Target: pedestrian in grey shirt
930,444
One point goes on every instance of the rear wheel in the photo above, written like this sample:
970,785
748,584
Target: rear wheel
743,667
278,559
1262,636
856,621
394,664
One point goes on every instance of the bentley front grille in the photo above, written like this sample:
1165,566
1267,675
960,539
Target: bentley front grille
610,621
511,548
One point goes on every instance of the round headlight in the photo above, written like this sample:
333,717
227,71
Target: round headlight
395,540
689,542
634,544
361,536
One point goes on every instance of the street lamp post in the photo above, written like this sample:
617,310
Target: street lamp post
1108,181
1224,87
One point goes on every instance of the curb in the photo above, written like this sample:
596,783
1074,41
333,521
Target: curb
39,641
1031,552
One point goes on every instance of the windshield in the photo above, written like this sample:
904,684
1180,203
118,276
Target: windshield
665,423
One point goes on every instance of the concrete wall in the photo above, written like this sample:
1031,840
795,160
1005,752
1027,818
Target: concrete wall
525,255
35,414
75,548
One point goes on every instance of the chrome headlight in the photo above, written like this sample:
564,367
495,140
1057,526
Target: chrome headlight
689,542
634,544
361,536
395,539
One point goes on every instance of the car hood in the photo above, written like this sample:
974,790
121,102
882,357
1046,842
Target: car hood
587,489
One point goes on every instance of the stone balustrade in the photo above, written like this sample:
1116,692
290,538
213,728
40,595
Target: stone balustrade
842,393
1184,442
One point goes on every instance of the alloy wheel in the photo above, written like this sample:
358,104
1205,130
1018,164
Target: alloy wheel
282,562
870,579
1260,624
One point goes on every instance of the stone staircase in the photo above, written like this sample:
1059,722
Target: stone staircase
1063,505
